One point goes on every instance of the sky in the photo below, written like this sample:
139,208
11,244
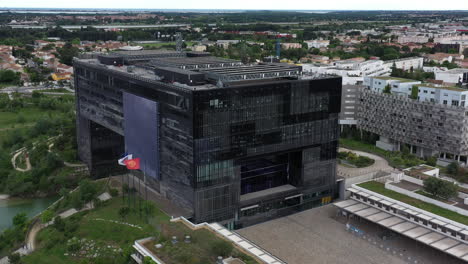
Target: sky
246,4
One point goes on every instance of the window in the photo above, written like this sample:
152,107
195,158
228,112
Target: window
455,102
432,92
463,97
425,91
444,102
445,94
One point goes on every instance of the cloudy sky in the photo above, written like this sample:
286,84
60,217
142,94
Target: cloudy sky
247,4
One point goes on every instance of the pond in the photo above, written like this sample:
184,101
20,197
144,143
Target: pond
9,208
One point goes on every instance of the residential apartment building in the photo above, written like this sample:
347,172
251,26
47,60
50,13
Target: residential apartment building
412,39
317,43
231,143
406,64
452,76
287,45
434,123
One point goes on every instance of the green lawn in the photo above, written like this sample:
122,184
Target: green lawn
106,236
29,115
380,188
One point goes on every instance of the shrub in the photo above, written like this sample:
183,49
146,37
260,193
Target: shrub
124,211
221,248
47,216
114,192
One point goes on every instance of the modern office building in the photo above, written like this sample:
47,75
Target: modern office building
232,143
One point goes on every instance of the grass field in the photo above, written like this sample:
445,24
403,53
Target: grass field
28,115
110,237
380,188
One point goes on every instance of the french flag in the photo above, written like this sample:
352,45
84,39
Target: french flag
124,158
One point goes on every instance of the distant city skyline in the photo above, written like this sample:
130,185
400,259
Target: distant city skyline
244,4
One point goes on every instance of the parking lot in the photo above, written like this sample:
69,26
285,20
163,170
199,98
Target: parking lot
319,236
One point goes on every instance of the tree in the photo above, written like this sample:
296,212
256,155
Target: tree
440,188
47,216
452,168
87,190
431,161
14,258
20,220
8,76
387,89
414,92
67,53
59,223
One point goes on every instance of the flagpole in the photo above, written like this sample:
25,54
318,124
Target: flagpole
133,190
146,193
139,190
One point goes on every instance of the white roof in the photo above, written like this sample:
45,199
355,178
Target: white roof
445,243
378,217
345,203
438,222
357,207
454,228
431,237
368,211
425,217
391,221
403,226
459,251
416,232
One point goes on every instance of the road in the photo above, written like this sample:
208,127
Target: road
30,89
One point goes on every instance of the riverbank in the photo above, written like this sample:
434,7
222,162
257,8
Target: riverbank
12,206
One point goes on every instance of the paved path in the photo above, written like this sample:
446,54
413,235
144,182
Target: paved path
380,164
22,151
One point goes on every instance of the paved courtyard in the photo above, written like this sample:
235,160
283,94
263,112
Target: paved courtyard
319,236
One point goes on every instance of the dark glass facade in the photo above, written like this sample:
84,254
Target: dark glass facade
237,155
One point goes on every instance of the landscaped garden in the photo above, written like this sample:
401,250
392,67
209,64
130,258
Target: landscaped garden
395,159
380,188
350,158
106,235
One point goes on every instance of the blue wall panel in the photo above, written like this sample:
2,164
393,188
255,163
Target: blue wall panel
141,131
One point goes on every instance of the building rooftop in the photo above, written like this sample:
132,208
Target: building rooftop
194,71
451,88
388,78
